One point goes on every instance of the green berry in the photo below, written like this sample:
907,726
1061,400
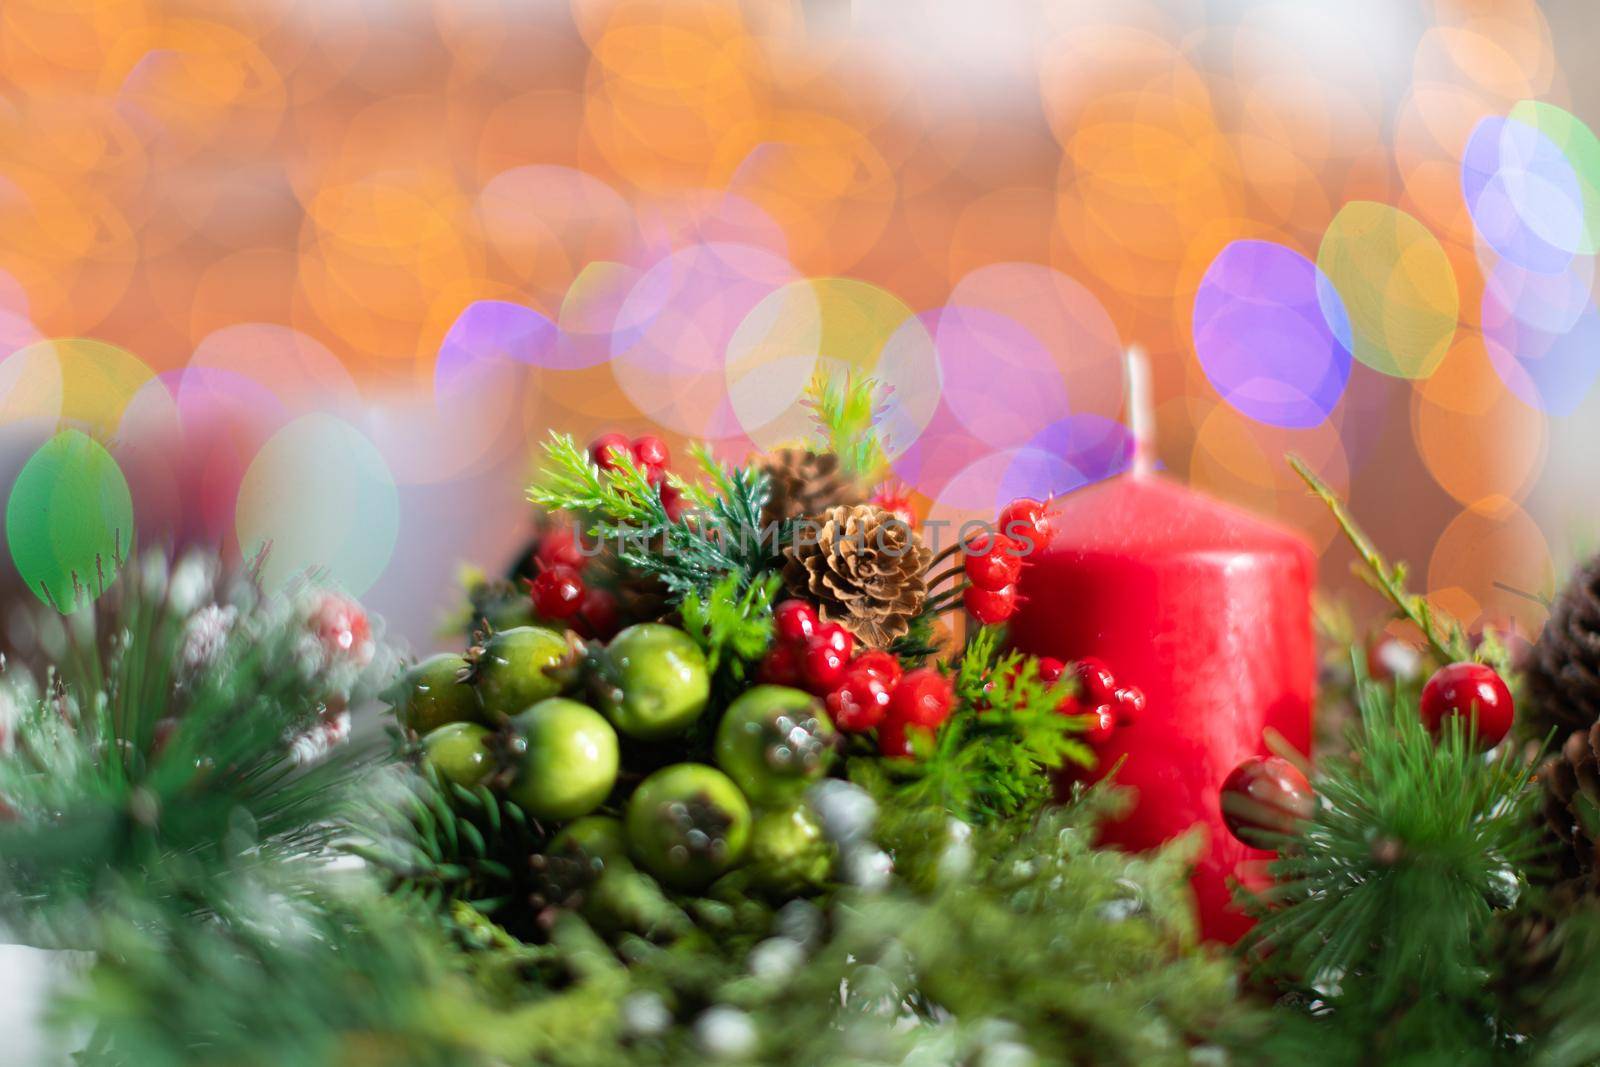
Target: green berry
568,759
459,751
655,682
511,670
774,741
433,694
687,824
592,852
788,851
597,839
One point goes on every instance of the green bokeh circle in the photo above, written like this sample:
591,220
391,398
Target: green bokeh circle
69,520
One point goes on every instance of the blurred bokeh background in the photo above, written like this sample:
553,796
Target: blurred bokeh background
322,272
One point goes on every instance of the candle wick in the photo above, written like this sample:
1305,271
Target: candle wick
1141,420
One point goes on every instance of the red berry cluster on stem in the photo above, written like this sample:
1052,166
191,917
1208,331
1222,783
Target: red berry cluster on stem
864,690
1109,706
992,562
652,456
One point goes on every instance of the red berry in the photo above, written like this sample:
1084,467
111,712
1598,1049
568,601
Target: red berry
895,498
560,547
1129,703
1265,795
993,563
1050,668
343,628
655,476
921,702
557,593
650,451
1468,690
605,449
598,614
990,607
1027,521
835,637
794,621
881,665
1095,681
860,702
674,502
1102,724
781,666
822,668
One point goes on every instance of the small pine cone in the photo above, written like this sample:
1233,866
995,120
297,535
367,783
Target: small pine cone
805,484
1526,944
1563,669
865,570
1571,781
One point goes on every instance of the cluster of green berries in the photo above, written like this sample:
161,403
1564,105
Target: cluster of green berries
539,716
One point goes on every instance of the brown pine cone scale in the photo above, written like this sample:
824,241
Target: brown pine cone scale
1571,781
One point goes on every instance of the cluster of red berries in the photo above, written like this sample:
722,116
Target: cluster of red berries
559,592
1108,704
862,691
651,454
993,560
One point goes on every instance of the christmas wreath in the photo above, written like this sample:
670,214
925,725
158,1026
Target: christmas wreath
718,774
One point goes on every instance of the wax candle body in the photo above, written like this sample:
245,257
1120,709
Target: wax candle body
1208,610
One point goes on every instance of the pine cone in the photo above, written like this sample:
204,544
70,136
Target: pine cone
1571,781
1564,668
805,484
865,570
1526,946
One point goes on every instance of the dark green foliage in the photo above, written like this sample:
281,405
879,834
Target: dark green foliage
992,759
733,629
442,842
276,976
1385,896
722,535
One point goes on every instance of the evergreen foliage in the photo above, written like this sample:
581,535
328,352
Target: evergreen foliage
722,535
994,757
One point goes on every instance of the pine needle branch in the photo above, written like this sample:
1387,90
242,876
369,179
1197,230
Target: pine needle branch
1382,897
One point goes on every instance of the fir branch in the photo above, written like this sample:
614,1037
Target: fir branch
1383,896
733,629
722,535
1446,636
846,408
570,481
992,759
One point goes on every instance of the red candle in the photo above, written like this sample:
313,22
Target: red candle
1208,610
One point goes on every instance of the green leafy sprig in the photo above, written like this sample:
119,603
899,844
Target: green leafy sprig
846,408
991,760
733,629
1445,636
